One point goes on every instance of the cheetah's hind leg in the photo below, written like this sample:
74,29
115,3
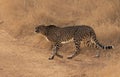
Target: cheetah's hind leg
77,51
73,55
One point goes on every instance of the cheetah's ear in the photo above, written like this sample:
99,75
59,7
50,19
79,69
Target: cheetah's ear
51,26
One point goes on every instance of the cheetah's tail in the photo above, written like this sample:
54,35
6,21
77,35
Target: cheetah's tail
104,47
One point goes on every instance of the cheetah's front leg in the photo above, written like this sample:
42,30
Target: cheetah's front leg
55,51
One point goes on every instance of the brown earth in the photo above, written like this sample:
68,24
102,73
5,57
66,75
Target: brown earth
25,54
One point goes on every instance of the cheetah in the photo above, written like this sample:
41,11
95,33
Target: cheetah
61,35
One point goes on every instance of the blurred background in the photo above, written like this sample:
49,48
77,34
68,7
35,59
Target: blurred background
21,16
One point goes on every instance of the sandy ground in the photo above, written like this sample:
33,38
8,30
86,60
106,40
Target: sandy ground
25,54
20,60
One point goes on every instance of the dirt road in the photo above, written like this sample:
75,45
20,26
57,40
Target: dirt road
19,60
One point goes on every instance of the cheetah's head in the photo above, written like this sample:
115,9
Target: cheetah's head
40,29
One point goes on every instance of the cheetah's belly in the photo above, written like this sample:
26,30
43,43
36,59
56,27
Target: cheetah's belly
67,41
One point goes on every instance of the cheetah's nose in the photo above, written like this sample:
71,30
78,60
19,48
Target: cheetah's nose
37,31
